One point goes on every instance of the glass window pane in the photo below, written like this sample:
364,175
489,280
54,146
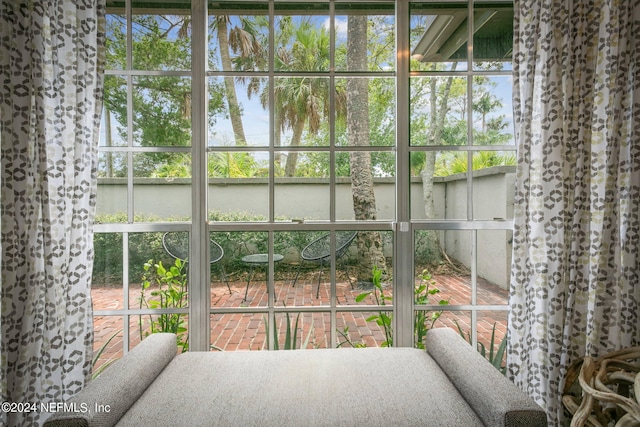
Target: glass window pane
294,331
365,188
308,164
238,164
238,331
368,104
112,198
357,329
427,291
301,112
300,251
113,125
161,42
369,251
116,42
318,334
492,111
146,252
112,164
367,287
159,178
493,183
492,332
438,36
238,37
493,37
439,185
107,277
238,111
365,37
438,111
305,195
443,263
161,111
243,283
302,41
107,340
494,266
457,246
238,186
311,255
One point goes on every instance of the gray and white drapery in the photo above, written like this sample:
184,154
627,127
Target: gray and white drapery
50,103
575,284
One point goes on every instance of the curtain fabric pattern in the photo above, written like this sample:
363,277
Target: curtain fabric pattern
575,283
50,103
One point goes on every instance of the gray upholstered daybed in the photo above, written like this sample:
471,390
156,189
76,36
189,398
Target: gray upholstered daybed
450,385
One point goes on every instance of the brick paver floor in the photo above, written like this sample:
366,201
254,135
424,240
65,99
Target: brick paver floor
247,331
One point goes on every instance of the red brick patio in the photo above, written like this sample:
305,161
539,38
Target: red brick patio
246,331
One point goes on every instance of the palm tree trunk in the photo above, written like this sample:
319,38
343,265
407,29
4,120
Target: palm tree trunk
369,243
229,84
292,157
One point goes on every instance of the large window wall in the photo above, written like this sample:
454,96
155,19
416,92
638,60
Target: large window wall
271,170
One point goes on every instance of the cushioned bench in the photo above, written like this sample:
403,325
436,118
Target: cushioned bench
449,385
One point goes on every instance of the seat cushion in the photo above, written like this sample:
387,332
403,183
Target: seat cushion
327,387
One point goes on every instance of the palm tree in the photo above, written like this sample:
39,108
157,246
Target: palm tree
233,165
301,102
242,40
485,104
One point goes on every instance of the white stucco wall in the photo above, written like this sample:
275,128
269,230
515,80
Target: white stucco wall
308,199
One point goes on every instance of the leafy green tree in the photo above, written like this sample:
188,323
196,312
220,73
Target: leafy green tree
161,105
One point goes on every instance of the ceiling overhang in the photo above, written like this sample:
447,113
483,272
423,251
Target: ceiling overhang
446,35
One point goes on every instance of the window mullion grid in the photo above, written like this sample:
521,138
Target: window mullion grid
403,248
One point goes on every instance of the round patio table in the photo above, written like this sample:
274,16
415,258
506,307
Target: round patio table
257,260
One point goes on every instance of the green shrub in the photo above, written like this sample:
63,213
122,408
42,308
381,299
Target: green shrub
161,289
423,319
108,247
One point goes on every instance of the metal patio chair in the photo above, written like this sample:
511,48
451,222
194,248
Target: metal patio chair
319,252
176,244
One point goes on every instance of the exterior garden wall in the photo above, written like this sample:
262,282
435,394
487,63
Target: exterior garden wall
308,199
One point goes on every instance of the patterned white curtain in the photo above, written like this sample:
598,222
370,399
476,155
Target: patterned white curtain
51,60
575,284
